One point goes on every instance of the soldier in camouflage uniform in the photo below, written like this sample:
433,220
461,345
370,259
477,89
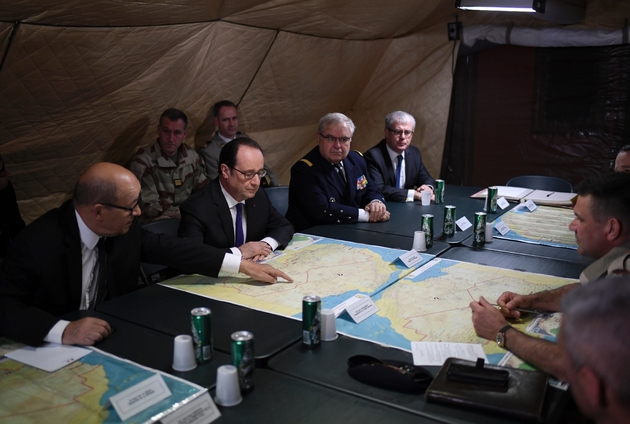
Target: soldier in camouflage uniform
168,170
226,123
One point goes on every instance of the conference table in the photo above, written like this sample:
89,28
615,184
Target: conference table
293,384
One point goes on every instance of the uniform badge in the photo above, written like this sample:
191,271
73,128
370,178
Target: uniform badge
177,182
361,183
332,200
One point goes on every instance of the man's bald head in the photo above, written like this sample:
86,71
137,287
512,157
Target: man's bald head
101,183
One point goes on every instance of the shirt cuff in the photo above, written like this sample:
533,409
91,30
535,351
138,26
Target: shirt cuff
364,216
236,251
231,263
56,333
410,195
271,242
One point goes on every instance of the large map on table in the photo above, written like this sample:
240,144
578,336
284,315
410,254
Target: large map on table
332,269
546,225
432,304
79,392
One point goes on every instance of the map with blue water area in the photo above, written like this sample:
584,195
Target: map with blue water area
546,225
79,392
432,304
331,269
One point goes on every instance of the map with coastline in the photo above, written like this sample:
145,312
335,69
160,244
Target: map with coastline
547,225
331,269
431,304
79,392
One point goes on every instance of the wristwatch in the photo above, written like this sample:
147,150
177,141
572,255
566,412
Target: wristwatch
500,339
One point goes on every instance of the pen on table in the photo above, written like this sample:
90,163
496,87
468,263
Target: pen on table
553,192
529,311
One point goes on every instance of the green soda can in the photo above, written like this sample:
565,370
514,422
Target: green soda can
479,229
201,319
427,227
491,200
311,321
450,216
243,358
439,192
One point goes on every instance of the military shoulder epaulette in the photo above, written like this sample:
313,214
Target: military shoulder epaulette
359,152
306,161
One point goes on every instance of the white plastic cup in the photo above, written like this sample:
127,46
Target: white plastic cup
329,326
184,353
426,197
419,241
488,232
228,390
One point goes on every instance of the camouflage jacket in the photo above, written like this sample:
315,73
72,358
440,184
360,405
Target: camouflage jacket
165,184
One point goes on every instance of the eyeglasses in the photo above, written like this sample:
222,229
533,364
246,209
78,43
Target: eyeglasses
331,139
398,133
251,174
124,208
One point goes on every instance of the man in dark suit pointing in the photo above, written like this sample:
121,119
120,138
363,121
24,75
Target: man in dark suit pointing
87,251
232,213
395,166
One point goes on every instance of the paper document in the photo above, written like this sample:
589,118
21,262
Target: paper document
435,353
510,193
49,357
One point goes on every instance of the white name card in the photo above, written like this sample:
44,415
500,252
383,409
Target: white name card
502,203
502,227
362,309
531,206
410,258
358,311
463,223
139,397
201,410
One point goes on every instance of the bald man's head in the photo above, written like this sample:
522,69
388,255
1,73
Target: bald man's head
106,198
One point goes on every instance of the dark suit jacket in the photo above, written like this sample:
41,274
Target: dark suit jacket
206,219
318,195
382,171
10,219
40,278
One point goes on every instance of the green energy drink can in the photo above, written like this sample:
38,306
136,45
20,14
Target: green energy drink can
311,321
201,320
439,192
243,358
479,229
427,227
491,200
450,216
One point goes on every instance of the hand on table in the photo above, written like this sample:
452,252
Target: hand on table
487,319
255,250
86,331
377,211
264,273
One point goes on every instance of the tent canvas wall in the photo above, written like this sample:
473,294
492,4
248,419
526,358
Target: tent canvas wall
82,82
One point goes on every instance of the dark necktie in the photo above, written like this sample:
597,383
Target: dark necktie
398,171
239,225
100,279
339,169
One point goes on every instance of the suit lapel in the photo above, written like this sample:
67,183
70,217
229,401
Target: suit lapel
72,246
224,212
391,175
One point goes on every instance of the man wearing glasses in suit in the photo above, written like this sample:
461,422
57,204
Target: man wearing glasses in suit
331,184
395,166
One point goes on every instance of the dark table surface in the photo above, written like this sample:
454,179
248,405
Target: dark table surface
280,398
534,264
359,235
328,367
150,348
407,217
533,250
167,310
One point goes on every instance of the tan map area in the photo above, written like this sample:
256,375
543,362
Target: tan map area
70,395
436,308
546,223
325,268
